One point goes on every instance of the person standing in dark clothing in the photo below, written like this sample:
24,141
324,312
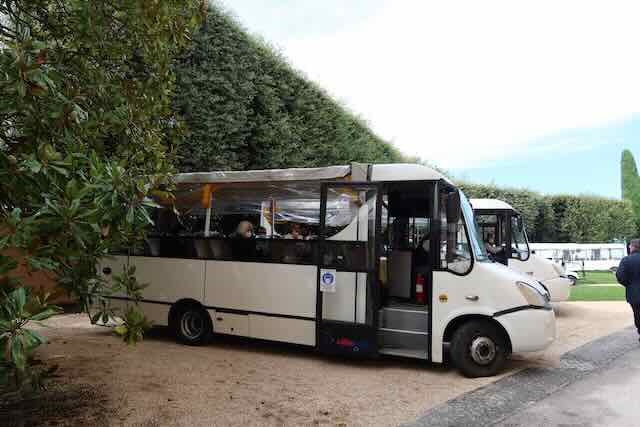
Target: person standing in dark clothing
628,275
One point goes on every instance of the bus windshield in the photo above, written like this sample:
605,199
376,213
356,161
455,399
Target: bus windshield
474,232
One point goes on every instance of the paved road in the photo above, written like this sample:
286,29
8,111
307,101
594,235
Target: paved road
606,398
595,384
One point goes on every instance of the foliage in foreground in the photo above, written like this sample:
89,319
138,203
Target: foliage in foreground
18,308
86,133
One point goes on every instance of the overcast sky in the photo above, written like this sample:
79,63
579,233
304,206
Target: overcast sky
543,94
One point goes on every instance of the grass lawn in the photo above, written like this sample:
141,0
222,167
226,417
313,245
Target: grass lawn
597,293
598,278
583,292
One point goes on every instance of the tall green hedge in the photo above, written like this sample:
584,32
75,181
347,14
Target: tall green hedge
580,219
630,183
247,108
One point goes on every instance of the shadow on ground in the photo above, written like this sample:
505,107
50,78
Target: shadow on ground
61,404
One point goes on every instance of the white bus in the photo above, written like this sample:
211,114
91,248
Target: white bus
499,222
353,260
583,256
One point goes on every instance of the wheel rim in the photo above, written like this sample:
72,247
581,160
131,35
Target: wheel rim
483,350
192,325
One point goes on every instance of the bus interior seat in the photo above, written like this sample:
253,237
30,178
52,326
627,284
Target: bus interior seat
399,266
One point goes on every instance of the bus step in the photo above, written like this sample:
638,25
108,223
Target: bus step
402,339
404,352
403,318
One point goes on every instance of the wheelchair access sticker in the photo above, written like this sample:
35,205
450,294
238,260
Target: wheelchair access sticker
327,280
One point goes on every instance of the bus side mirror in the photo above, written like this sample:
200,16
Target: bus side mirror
453,207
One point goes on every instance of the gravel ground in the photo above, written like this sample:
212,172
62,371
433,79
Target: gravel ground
241,382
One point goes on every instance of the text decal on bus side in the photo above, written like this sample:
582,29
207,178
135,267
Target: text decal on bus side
327,280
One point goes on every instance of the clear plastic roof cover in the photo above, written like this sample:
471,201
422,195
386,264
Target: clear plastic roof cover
297,202
293,174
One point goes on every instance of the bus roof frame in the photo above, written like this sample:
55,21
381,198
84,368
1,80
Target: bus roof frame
356,172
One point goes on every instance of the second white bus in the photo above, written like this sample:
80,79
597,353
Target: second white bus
499,221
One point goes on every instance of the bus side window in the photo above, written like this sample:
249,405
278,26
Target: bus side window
285,220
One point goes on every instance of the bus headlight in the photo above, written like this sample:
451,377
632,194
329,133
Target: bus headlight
532,295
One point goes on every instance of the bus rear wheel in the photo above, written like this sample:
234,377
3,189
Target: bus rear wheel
478,349
192,325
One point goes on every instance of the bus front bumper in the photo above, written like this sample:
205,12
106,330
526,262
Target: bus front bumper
530,329
559,288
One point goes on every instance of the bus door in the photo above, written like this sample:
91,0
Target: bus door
348,294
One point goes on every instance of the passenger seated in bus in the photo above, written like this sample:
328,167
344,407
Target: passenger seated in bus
243,243
295,233
244,230
496,253
491,247
308,233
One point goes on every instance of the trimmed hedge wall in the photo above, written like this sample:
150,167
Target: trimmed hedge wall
580,219
247,108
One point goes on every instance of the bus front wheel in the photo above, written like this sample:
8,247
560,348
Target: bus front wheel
478,349
192,325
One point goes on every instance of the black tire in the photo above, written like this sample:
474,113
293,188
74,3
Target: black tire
192,325
574,280
478,349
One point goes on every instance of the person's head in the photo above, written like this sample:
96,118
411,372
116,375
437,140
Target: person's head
634,246
296,230
245,229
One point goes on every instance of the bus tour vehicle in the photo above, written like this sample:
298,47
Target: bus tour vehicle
359,260
503,228
582,256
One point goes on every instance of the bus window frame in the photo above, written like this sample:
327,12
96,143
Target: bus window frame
440,187
507,215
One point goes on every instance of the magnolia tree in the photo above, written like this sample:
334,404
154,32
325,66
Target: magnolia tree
86,135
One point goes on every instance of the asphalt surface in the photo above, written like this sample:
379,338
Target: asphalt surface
584,390
606,398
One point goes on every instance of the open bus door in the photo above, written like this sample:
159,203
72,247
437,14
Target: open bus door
348,292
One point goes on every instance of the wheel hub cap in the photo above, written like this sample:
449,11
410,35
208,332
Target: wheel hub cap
483,350
192,325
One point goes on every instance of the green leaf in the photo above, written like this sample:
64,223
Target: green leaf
18,354
62,171
42,263
45,314
32,339
130,215
19,297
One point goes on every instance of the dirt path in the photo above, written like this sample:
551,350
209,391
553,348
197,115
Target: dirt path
241,382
